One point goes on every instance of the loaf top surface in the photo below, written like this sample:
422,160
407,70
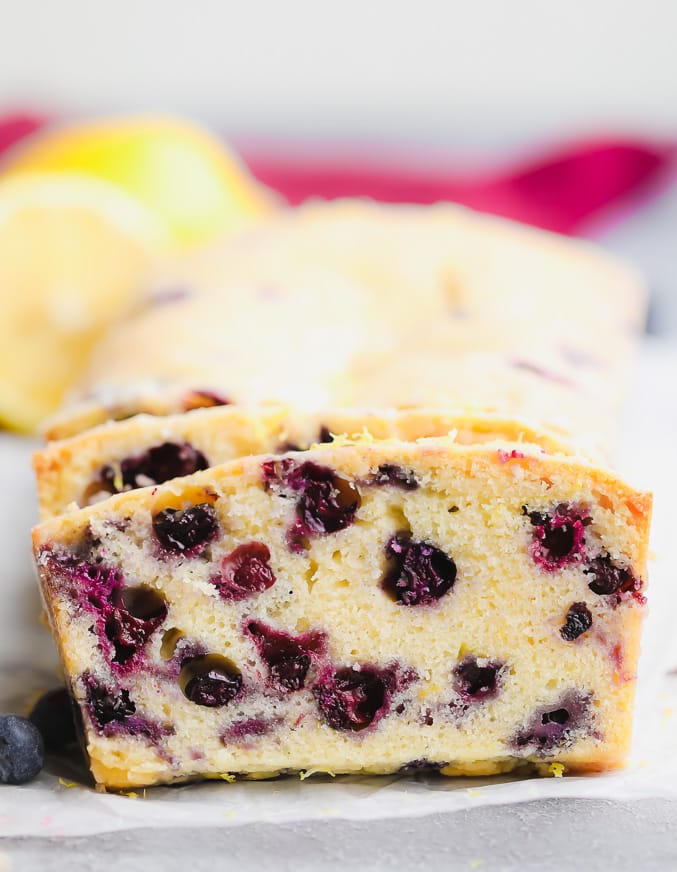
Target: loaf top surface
349,303
503,462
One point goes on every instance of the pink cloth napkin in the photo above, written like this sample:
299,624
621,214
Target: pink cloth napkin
560,190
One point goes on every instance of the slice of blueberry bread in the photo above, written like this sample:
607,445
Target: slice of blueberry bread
362,607
146,450
347,290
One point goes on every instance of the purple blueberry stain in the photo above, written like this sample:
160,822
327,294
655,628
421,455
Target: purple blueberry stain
171,294
353,698
325,501
134,615
250,728
154,466
578,620
540,372
113,712
210,680
420,573
244,572
186,531
553,728
477,679
397,476
288,658
609,579
558,538
579,358
126,617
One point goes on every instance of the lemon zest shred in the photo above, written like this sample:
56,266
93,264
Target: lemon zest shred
221,776
306,773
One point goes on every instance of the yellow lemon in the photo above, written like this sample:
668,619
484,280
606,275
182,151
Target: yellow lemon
177,169
74,252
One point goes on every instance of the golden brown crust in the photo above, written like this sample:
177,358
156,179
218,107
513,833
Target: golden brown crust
66,468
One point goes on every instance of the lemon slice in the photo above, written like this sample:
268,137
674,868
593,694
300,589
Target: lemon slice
74,252
180,171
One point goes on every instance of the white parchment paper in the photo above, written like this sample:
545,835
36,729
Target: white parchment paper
56,804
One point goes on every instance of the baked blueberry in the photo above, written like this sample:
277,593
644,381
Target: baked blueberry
351,699
578,620
607,578
287,657
106,705
154,466
244,572
211,680
186,531
553,727
326,502
477,679
559,536
419,573
398,476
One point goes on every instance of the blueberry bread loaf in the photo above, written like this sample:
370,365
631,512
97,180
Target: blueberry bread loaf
355,304
359,607
146,450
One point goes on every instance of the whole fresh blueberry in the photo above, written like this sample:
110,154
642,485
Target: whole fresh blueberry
52,714
22,751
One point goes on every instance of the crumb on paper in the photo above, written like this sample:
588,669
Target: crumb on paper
475,864
474,792
64,783
556,770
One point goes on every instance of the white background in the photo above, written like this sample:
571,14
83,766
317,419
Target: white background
472,74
